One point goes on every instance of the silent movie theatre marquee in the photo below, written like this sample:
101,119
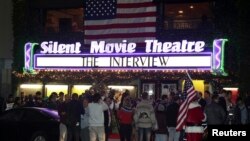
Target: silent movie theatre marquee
54,55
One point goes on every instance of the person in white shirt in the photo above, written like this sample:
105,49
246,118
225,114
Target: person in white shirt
96,118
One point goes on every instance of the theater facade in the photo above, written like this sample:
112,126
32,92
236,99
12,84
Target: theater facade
58,59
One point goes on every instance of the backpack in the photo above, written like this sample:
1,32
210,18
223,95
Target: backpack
144,115
161,107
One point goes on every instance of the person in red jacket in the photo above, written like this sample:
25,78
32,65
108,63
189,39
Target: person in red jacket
195,117
125,117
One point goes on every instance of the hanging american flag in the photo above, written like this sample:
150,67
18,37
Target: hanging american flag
117,20
190,95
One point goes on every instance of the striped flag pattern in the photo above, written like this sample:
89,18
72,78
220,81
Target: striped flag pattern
117,20
191,94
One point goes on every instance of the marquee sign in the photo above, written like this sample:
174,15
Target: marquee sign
124,55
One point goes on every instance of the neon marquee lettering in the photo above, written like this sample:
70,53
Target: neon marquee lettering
153,46
56,48
123,47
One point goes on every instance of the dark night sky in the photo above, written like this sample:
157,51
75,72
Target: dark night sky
6,34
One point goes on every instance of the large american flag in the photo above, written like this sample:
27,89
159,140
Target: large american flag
191,94
117,20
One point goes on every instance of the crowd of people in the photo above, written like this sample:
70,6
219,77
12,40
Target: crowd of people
91,116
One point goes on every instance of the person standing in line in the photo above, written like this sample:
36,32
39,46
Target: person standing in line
171,119
207,97
247,103
222,100
74,111
17,102
96,118
62,107
160,113
216,115
85,121
52,103
195,117
242,111
144,118
125,117
30,101
10,102
107,118
22,98
201,101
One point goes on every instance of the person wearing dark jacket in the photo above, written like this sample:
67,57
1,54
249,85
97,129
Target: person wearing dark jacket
171,118
247,103
17,102
222,100
242,111
216,115
62,111
160,114
52,103
201,100
74,111
30,101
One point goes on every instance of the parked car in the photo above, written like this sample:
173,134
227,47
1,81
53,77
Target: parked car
29,124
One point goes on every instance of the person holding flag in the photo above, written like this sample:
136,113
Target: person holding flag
190,115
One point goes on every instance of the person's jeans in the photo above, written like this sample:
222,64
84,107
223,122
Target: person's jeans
85,134
125,132
96,133
63,132
144,134
173,135
161,137
73,133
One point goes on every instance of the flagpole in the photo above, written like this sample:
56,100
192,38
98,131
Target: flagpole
188,75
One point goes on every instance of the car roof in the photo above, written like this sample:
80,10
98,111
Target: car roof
51,112
46,111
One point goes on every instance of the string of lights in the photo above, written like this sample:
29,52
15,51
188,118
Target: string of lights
112,76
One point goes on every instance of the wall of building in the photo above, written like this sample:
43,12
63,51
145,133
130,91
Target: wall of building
6,45
5,77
